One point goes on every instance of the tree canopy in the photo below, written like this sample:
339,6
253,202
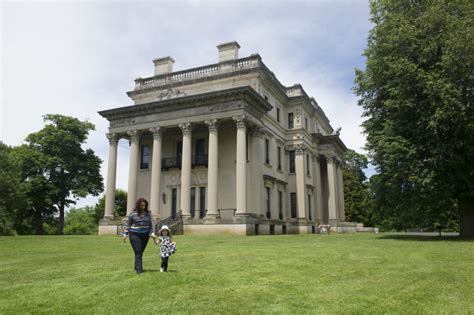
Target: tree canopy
44,176
417,96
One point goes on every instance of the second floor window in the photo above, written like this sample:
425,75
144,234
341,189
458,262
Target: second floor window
292,161
145,157
278,114
279,157
307,165
290,121
267,151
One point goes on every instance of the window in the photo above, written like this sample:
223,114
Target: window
145,157
292,161
174,200
290,120
202,202
309,208
279,157
280,205
278,114
193,202
306,123
307,165
267,151
269,213
293,204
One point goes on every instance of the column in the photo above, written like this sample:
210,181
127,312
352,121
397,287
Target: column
342,216
317,183
212,168
300,182
241,167
133,171
155,173
186,170
332,190
256,164
111,176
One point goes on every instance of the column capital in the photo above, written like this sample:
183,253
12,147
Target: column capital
258,131
212,125
133,134
113,138
240,121
299,149
186,128
156,132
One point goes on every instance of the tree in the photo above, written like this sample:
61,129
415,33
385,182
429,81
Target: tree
80,221
417,96
12,193
120,207
357,199
72,171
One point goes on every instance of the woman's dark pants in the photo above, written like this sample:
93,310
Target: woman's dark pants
139,241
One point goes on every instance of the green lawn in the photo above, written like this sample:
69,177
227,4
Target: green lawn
261,274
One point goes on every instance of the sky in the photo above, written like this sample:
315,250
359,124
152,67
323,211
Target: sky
76,58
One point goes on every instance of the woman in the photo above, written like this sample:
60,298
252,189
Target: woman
139,227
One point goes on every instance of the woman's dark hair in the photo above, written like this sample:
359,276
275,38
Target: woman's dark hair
138,209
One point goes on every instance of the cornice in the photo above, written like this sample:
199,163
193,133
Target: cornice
247,94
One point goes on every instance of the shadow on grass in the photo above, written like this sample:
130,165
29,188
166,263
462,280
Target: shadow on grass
421,237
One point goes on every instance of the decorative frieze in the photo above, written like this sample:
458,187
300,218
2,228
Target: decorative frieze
225,106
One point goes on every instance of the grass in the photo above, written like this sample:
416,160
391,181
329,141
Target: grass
369,274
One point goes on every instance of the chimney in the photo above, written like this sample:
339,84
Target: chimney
228,51
163,65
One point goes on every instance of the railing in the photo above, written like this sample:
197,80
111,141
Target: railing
175,162
170,221
199,160
200,72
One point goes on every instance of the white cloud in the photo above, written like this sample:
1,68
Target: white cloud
76,58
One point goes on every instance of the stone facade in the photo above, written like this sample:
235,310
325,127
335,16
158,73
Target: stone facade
229,146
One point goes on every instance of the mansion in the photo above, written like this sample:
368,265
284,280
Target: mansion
230,149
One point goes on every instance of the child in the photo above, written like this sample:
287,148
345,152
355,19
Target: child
167,246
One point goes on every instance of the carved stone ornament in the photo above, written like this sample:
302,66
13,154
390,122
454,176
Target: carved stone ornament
156,132
170,93
133,134
258,131
113,138
185,128
298,116
240,121
212,125
299,149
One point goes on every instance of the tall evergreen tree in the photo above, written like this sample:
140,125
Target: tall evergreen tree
417,96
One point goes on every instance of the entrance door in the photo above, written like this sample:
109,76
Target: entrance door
202,201
193,202
174,194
